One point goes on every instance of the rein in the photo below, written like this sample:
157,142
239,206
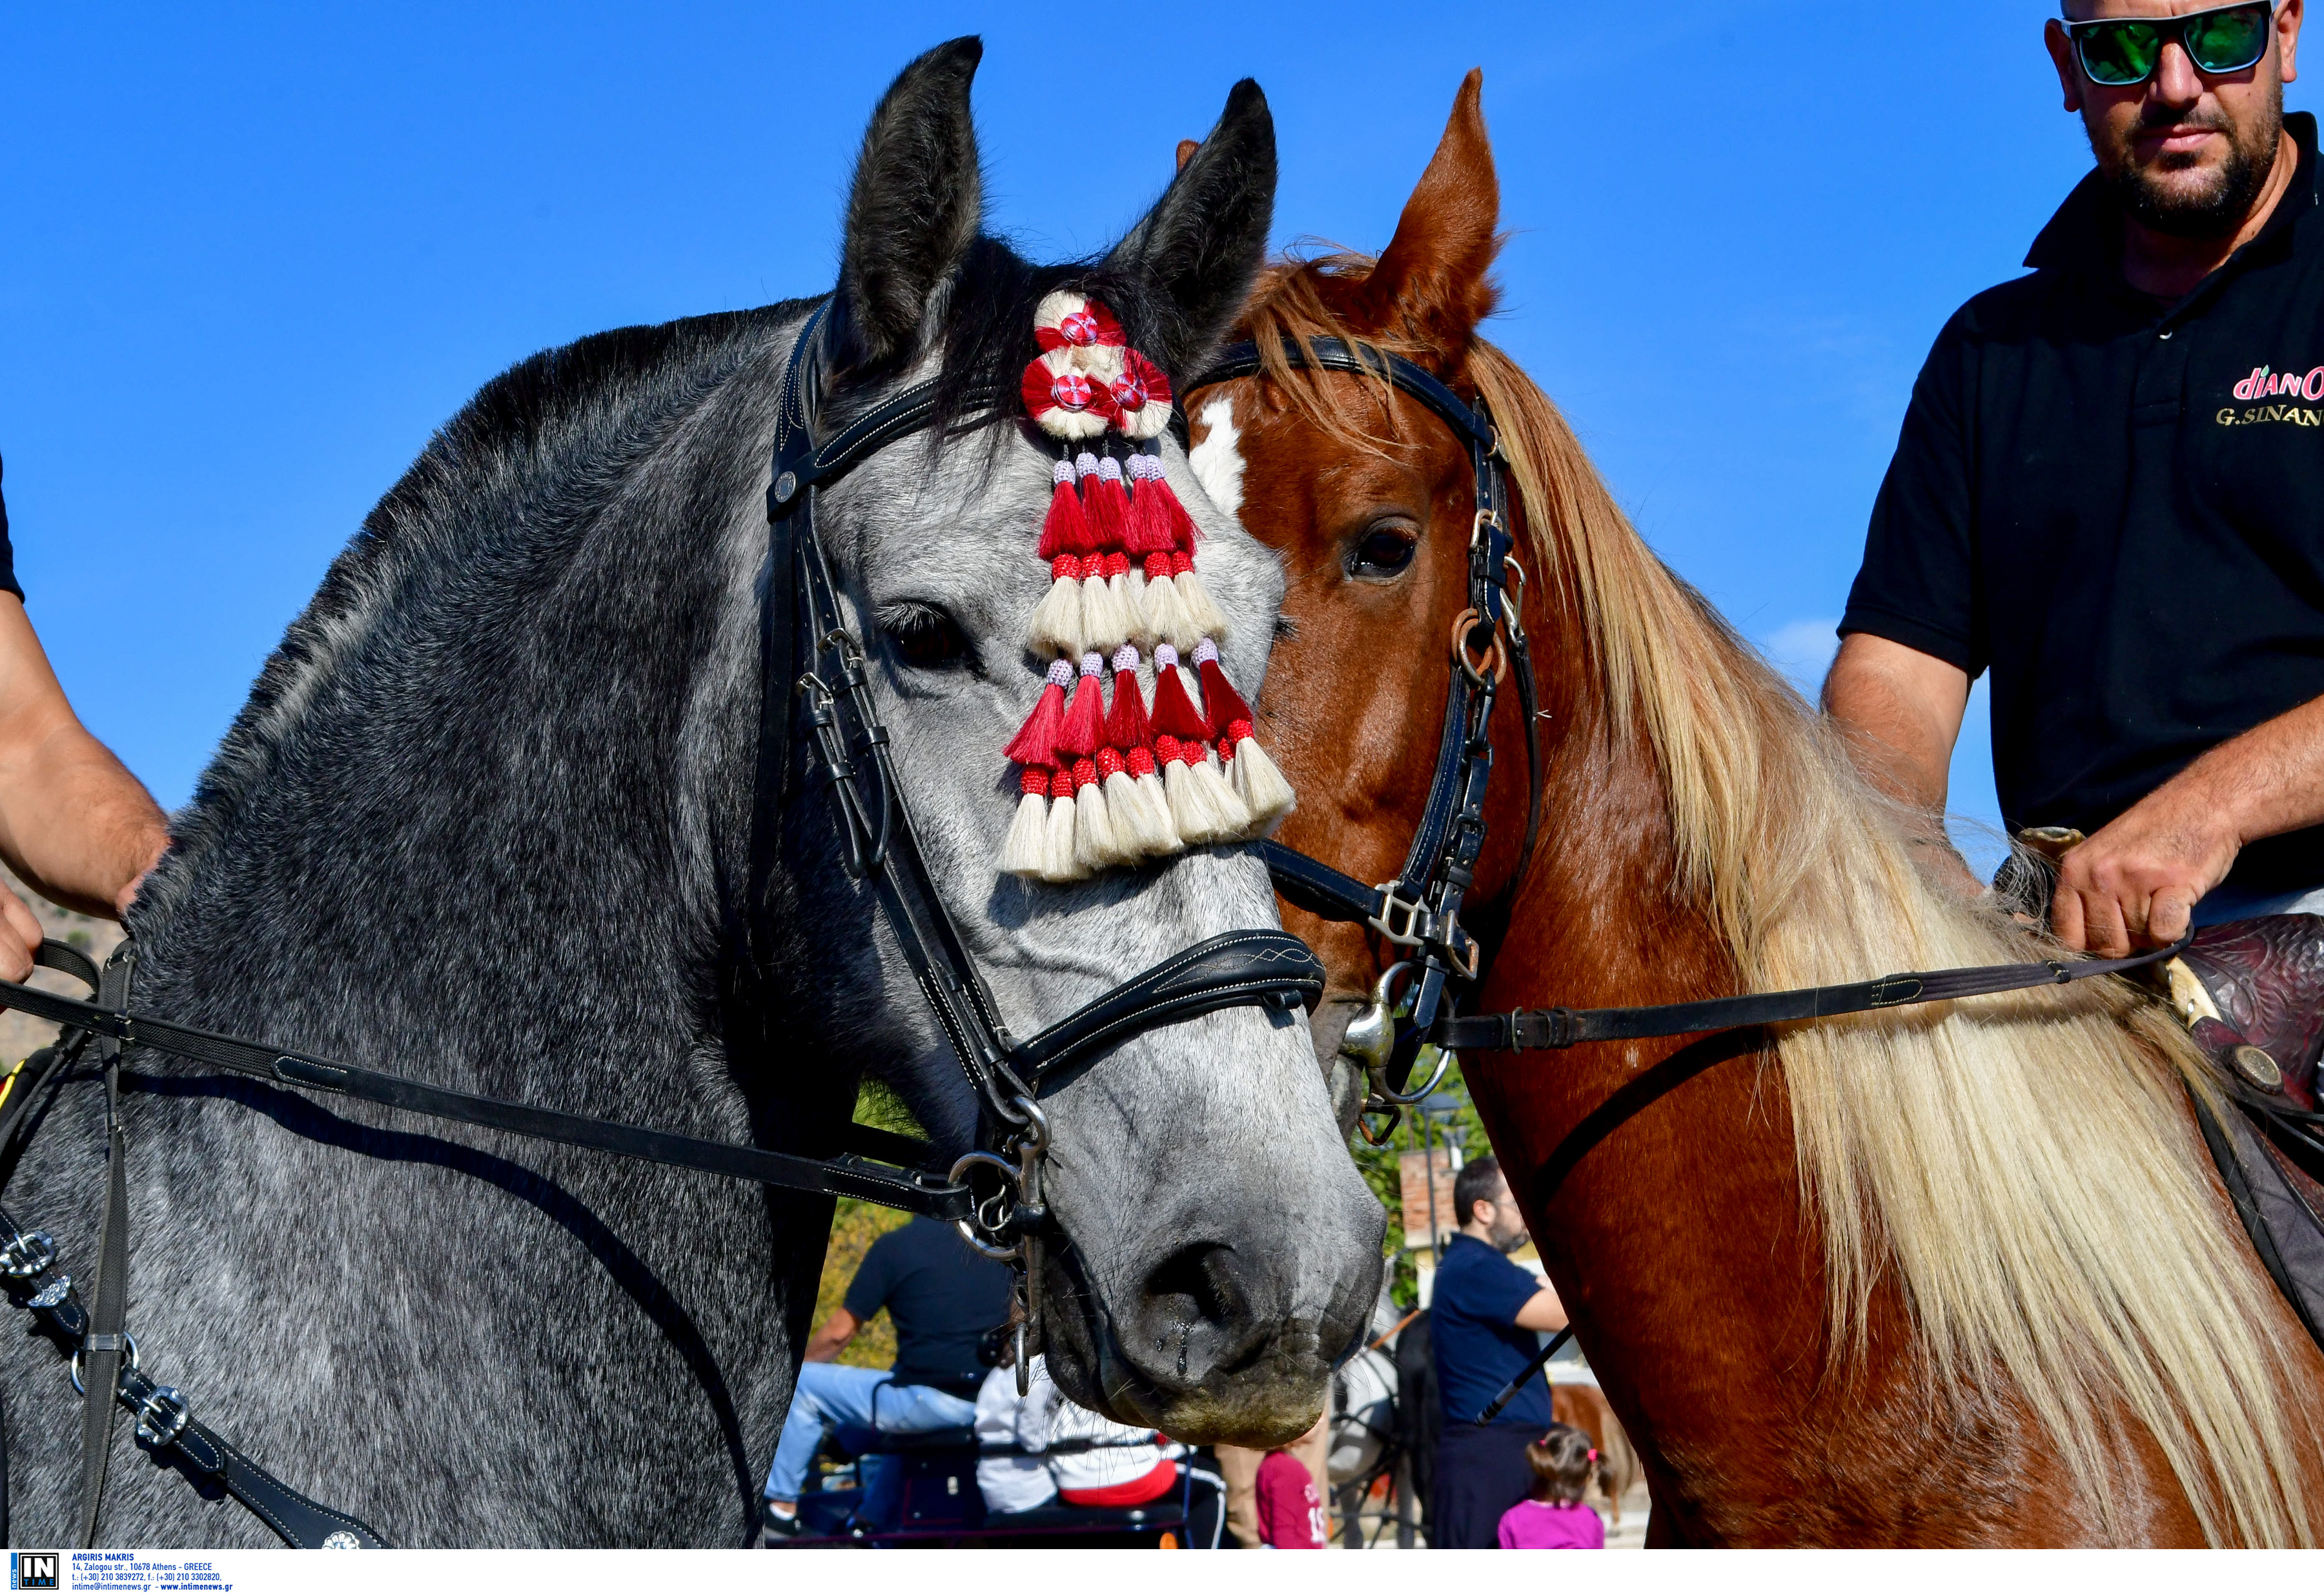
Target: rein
809,656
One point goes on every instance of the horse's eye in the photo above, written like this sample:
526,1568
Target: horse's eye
1384,552
926,638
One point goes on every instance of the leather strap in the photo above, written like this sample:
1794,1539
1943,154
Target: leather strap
1554,1028
1316,887
847,1176
1227,970
109,1325
55,1304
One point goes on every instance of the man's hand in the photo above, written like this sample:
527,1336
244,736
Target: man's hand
20,937
2138,879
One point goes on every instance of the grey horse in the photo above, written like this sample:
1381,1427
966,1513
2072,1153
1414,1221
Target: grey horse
483,820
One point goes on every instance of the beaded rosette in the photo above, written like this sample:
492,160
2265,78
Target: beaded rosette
1108,783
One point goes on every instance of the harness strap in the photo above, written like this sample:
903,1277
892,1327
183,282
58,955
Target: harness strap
850,1175
108,1327
164,1420
1555,1028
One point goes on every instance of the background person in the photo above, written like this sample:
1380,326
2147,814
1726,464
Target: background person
942,1297
1239,1465
1554,1517
1484,1323
75,825
2108,492
1290,1507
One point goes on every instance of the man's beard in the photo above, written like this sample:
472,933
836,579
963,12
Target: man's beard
2219,206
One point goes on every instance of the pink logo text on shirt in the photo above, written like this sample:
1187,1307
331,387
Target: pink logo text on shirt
2266,383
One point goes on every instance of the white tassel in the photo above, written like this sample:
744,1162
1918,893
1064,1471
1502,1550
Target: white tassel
1105,626
1127,590
1057,843
1233,812
1095,847
1141,831
1197,810
1202,614
1156,798
1166,616
1056,627
1020,854
1261,787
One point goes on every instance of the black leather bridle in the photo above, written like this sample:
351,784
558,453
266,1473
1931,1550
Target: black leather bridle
813,669
1421,909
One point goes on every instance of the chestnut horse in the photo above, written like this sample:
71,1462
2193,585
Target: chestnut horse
1960,1275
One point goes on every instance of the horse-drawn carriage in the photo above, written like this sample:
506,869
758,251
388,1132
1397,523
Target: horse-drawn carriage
931,1499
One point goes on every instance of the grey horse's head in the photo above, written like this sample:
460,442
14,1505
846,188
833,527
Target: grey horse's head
1222,1251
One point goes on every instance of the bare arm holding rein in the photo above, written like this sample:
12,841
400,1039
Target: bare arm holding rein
74,824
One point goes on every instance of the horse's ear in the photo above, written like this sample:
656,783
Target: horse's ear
913,210
1186,148
1200,245
1433,285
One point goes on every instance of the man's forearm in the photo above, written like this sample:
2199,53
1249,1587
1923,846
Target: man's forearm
75,823
2263,783
1901,712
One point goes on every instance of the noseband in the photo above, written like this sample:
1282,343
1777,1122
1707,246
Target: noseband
813,669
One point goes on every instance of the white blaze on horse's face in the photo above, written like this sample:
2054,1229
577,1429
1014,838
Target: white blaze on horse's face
1217,459
1223,1250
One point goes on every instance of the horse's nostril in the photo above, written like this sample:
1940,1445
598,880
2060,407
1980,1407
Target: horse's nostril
1199,1282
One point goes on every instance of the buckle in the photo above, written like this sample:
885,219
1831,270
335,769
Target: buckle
1405,921
161,1416
28,1257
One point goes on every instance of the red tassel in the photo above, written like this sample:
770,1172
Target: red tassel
1174,712
1083,733
1108,506
1140,760
1183,533
1222,704
1149,531
1237,731
1034,782
1126,726
1109,762
1168,750
1066,529
1036,741
1157,565
1181,563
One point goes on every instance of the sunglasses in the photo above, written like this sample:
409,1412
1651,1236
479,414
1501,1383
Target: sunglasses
2119,51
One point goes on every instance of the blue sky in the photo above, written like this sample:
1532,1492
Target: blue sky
249,257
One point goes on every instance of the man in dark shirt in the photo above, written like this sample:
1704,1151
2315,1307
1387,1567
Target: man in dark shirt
1484,1320
74,825
942,1296
2109,491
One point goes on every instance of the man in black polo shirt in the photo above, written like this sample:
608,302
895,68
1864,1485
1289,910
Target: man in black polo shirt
2109,491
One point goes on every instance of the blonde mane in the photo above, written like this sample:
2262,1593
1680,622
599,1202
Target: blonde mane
2021,1166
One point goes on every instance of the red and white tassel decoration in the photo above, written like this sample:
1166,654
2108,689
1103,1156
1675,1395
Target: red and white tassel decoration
1134,793
1098,785
1249,772
1081,739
